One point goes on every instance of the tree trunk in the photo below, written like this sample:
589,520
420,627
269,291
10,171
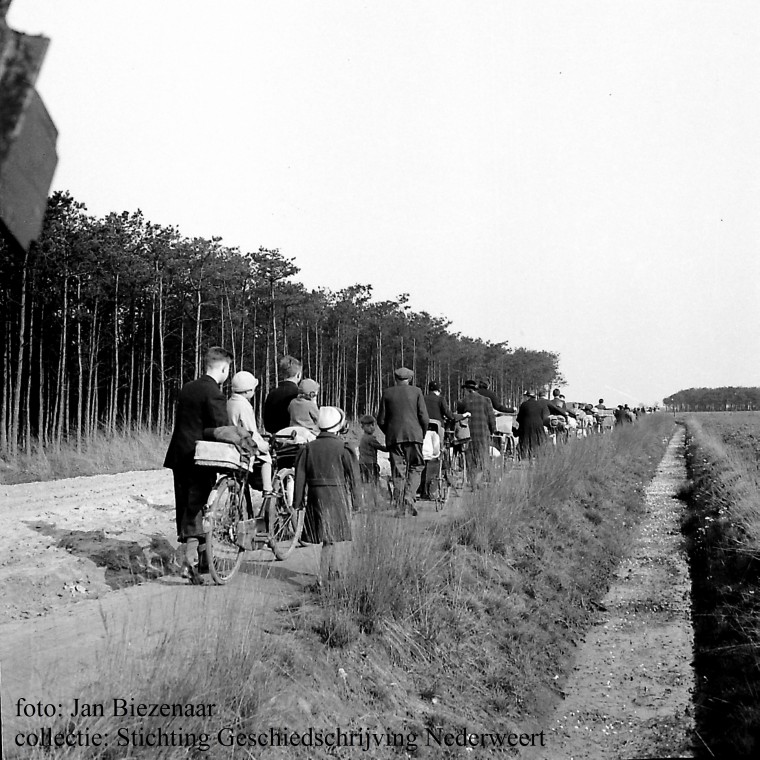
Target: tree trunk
115,383
151,356
80,367
356,376
42,435
22,342
5,395
161,358
61,386
197,365
92,390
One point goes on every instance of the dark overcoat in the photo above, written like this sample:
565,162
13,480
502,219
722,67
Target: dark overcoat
531,418
438,409
403,416
327,471
482,423
201,407
275,413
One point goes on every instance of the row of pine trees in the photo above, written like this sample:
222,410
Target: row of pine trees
104,319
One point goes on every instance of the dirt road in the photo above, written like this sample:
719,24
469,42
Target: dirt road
630,694
66,550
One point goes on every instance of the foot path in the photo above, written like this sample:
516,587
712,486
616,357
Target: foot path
630,693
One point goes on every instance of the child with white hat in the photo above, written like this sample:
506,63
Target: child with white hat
240,412
327,467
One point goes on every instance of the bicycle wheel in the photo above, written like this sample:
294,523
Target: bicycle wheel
226,507
458,471
442,491
285,523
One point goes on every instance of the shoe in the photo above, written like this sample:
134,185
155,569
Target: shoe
414,512
192,574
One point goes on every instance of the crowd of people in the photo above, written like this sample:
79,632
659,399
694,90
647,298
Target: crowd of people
326,467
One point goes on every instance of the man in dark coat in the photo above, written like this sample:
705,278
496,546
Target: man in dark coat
438,411
275,413
403,417
201,407
531,418
484,389
482,424
328,468
437,407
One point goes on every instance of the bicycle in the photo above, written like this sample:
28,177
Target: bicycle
231,523
457,471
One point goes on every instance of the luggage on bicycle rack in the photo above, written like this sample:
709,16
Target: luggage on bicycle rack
286,455
461,431
220,456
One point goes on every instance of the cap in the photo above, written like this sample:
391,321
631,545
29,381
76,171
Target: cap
243,381
331,419
404,373
470,385
434,386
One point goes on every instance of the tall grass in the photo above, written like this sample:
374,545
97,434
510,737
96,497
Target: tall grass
126,450
209,654
486,607
723,534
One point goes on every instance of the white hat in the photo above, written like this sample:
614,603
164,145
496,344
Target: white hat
243,381
331,419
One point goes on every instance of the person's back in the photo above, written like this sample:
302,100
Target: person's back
403,416
275,413
493,397
482,421
200,406
435,406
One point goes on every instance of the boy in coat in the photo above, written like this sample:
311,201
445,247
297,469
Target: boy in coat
201,407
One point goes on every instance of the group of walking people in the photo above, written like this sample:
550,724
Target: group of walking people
326,466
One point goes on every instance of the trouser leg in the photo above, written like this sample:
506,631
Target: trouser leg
181,492
398,475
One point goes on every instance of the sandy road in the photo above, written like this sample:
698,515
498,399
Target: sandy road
59,611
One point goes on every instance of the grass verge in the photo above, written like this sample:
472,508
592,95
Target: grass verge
483,612
103,454
723,533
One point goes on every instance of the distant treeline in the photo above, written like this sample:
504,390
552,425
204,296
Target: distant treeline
105,318
714,400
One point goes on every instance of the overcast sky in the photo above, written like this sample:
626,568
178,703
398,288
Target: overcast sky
581,177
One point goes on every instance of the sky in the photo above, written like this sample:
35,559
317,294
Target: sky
578,177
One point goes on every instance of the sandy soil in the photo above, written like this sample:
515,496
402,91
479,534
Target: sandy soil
60,603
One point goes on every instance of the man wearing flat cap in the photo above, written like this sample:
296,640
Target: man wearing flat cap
404,419
482,426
